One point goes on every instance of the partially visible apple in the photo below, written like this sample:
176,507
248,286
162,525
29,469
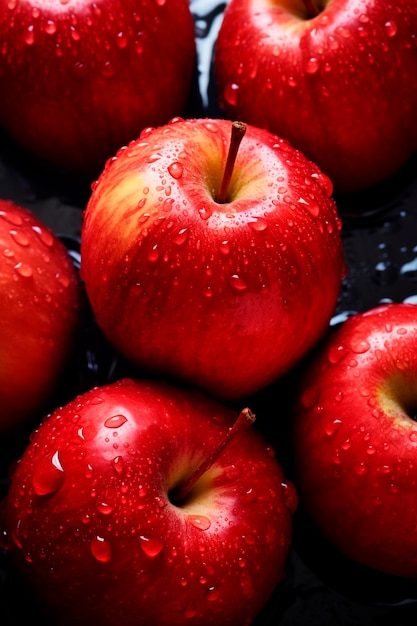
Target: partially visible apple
335,77
80,78
355,439
219,275
40,301
141,502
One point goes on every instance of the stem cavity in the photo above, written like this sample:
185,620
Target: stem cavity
237,134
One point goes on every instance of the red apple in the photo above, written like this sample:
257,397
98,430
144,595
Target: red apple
355,439
40,302
337,78
225,289
143,501
79,79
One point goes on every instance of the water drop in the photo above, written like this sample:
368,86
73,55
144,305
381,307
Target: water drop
258,225
205,212
23,270
115,421
48,476
21,238
101,549
118,465
199,521
332,427
390,28
29,36
151,547
230,94
312,65
181,237
190,610
104,508
176,170
50,27
359,346
237,283
212,594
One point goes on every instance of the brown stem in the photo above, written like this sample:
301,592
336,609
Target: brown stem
238,132
245,419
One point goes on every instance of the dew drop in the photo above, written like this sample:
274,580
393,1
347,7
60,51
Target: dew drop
312,65
332,427
118,465
176,170
21,238
104,508
115,421
45,236
390,28
230,94
336,354
29,36
181,237
150,547
361,468
48,476
23,270
237,283
101,549
359,346
212,594
50,27
258,225
205,212
199,521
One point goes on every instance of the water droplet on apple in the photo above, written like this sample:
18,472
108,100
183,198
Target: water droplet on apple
44,235
237,283
151,547
23,270
104,508
332,427
248,496
336,354
324,181
153,254
230,94
212,594
361,468
115,421
359,345
390,28
101,549
205,212
181,238
122,40
199,521
312,65
21,238
118,465
258,225
48,476
176,169
50,27
289,495
29,36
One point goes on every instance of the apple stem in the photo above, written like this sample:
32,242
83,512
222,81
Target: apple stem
245,419
311,7
238,132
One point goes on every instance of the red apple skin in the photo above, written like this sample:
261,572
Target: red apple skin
91,526
224,296
80,79
340,86
355,439
40,309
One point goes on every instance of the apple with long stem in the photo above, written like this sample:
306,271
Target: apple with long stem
40,309
211,252
80,79
143,499
335,77
355,439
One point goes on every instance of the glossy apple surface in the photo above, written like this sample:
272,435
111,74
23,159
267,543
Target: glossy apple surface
336,78
355,439
40,301
93,525
225,295
80,78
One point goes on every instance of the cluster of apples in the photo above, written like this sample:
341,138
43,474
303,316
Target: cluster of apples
212,260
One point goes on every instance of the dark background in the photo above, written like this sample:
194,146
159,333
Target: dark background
380,243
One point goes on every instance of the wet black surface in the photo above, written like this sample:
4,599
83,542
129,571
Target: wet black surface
380,242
